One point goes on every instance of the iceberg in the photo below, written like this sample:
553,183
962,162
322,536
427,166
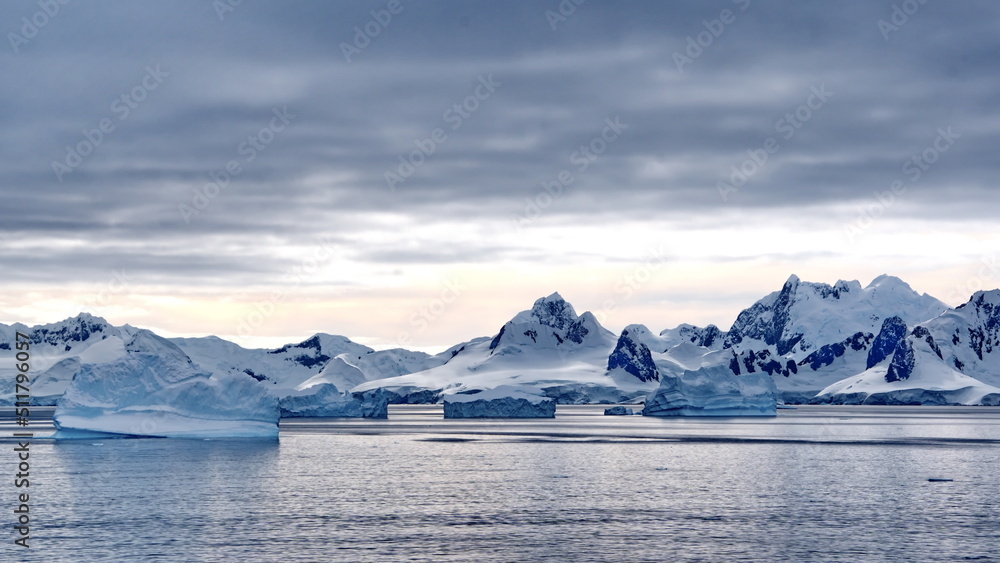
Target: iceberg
618,411
155,390
500,402
713,390
323,399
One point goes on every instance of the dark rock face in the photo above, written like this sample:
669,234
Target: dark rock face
78,329
311,361
576,331
634,357
710,335
893,330
496,339
826,354
751,322
902,363
925,335
903,359
553,311
312,343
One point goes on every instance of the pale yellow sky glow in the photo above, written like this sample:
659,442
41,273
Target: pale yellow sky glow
658,274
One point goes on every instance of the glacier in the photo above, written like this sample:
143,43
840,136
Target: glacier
501,402
713,390
155,390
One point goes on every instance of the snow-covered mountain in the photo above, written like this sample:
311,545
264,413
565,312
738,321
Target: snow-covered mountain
803,316
969,336
547,348
710,336
839,339
952,358
57,352
810,335
283,368
915,373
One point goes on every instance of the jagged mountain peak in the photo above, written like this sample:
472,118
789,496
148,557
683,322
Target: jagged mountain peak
805,315
553,311
633,356
983,299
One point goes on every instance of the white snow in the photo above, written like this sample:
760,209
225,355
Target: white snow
536,350
156,390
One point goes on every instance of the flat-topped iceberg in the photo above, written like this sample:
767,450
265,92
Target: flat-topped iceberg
320,400
325,400
504,401
155,390
713,390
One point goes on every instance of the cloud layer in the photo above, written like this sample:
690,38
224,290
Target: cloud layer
411,142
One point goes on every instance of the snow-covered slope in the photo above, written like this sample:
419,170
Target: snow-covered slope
547,348
155,389
969,336
347,371
284,368
952,358
915,373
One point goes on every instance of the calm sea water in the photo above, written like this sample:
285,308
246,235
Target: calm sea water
814,484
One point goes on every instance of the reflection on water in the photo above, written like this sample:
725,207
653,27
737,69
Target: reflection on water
817,483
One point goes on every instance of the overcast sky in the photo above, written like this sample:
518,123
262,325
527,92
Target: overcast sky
388,161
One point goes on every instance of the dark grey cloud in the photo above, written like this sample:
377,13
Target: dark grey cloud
352,121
